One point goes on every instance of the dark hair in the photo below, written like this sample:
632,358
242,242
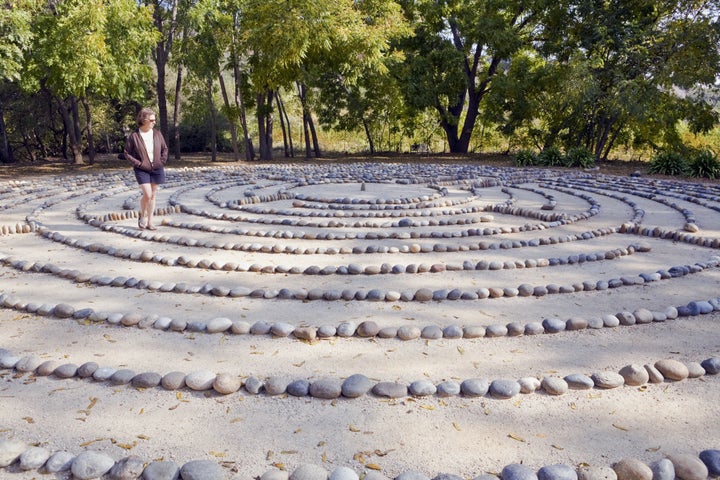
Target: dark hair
144,114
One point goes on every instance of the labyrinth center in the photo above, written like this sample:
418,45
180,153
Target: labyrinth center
389,318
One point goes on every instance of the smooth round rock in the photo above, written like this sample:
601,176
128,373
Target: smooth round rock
173,381
146,380
343,473
554,386
557,472
91,464
308,471
448,388
327,389
218,325
200,380
276,385
474,387
161,470
225,383
421,388
409,332
59,462
632,469
10,450
34,458
390,389
663,469
356,386
634,375
672,369
688,467
711,459
504,388
579,381
128,468
607,380
202,470
516,471
711,365
529,384
596,473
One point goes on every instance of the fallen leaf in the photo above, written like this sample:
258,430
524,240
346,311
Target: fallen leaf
90,442
653,449
143,437
353,428
515,437
427,407
461,350
324,457
373,466
619,427
456,426
29,419
557,447
236,420
218,454
288,452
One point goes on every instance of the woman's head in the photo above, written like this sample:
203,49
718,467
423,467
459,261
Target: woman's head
144,115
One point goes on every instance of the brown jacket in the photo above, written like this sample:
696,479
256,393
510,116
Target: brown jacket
136,154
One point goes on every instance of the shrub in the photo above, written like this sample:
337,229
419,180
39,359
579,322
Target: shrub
704,163
580,157
551,157
525,158
668,163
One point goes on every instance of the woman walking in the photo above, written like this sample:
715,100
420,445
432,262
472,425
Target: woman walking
147,151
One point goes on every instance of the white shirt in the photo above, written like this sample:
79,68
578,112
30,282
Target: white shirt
149,144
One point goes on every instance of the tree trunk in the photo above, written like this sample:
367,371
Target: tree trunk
285,121
313,134
231,118
6,155
213,121
162,54
176,113
88,126
371,144
72,128
265,123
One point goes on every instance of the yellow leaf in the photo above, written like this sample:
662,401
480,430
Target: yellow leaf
456,426
126,446
557,447
298,430
143,437
236,420
373,466
427,407
218,454
358,457
90,442
573,406
515,437
324,457
28,419
353,428
142,410
653,449
397,308
620,427
278,465
461,350
174,406
288,452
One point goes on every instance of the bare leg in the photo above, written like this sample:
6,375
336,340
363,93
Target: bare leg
145,201
150,207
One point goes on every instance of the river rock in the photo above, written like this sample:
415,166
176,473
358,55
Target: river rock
688,467
672,369
711,459
309,471
634,375
91,464
596,473
356,385
632,469
202,470
557,472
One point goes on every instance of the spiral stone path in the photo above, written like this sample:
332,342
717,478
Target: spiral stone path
360,320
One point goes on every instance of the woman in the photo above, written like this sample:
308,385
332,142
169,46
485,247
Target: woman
146,149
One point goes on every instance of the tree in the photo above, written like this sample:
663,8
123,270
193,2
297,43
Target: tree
619,72
15,38
456,53
84,48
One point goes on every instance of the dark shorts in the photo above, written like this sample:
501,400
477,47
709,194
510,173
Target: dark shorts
156,176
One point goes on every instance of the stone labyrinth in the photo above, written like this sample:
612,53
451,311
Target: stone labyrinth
369,320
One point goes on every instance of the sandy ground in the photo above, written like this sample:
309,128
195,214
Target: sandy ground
251,434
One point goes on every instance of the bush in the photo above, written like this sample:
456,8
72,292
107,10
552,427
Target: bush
668,163
580,157
525,158
704,163
551,157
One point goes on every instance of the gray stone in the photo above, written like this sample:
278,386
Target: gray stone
448,388
346,329
516,471
91,464
578,381
275,474
202,470
34,458
553,325
529,384
504,388
59,462
28,364
411,475
711,459
634,375
367,328
344,473
87,369
161,470
200,380
146,380
356,385
103,374
173,381
390,389
218,325
67,370
554,386
253,385
276,385
695,370
328,389
282,329
422,388
129,468
663,470
298,388
688,467
408,332
607,380
557,472
431,332
474,387
654,374
308,471
122,377
711,365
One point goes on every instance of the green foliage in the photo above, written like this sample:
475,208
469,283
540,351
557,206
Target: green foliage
705,164
668,162
525,158
579,157
551,157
